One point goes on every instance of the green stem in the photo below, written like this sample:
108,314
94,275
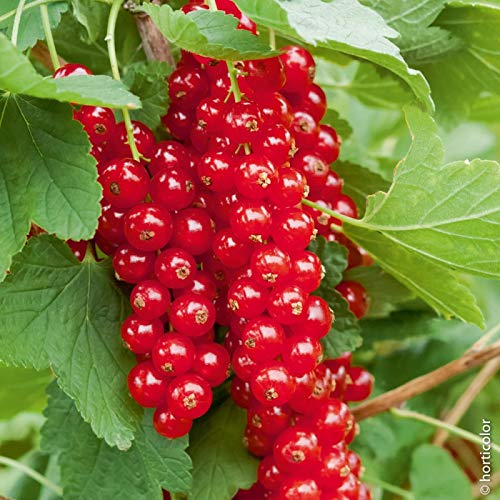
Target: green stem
272,39
235,88
212,5
387,486
17,22
452,429
331,213
115,71
48,36
31,473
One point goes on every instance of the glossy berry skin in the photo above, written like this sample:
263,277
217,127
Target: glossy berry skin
332,188
167,154
254,176
150,299
174,268
79,248
293,229
189,396
241,392
314,168
209,113
272,384
140,335
313,101
192,314
307,271
174,188
133,265
251,221
187,85
125,183
276,143
71,69
173,354
332,421
263,338
359,384
257,442
243,364
354,462
264,75
275,108
333,468
193,230
243,121
146,385
148,226
215,170
305,130
231,251
286,304
350,487
170,426
289,189
201,283
299,489
355,295
297,450
110,225
299,68
344,205
301,354
270,420
328,145
270,265
247,298
269,475
178,122
317,318
98,122
143,138
211,362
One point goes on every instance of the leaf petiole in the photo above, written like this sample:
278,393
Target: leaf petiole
391,488
17,22
48,36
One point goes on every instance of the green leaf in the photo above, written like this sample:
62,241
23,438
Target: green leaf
93,16
210,34
54,310
345,26
333,257
27,385
430,466
385,293
90,469
359,182
148,80
31,26
221,464
449,214
46,174
17,75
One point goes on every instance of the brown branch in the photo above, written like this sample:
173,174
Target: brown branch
41,53
487,372
417,386
155,45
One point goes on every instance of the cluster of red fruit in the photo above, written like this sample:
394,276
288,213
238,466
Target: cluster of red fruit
210,229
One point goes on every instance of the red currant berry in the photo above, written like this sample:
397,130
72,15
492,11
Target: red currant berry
303,389
173,354
289,189
243,365
209,114
264,75
193,230
332,421
359,384
243,121
333,468
170,426
299,489
355,295
269,475
241,392
150,299
146,385
263,338
247,298
254,176
328,145
307,271
272,384
313,101
314,168
133,265
125,183
276,143
174,188
187,85
211,363
189,396
287,303
148,226
175,267
270,420
71,69
216,170
296,450
178,122
276,109
316,320
305,130
232,252
350,487
192,314
140,335
354,463
332,188
293,229
257,443
99,123
143,137
270,265
168,154
201,283
79,248
301,354
110,225
251,221
299,68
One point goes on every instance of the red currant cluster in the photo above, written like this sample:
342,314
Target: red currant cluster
305,443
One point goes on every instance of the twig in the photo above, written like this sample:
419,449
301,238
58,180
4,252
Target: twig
41,53
155,45
469,436
461,406
481,343
31,473
422,384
